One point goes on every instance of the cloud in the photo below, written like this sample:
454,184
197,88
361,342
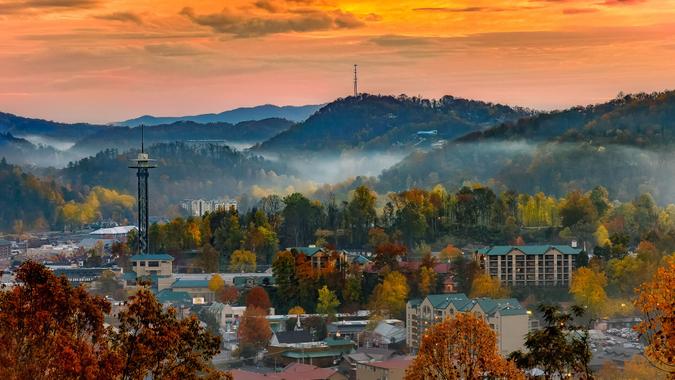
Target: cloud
122,16
247,25
622,2
574,11
8,7
445,9
393,40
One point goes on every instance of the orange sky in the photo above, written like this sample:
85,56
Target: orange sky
109,60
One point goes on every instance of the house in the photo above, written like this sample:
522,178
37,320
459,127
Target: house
299,346
392,369
320,258
529,265
363,355
293,371
506,317
388,332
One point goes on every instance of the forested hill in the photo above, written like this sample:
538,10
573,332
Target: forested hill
27,201
124,138
638,120
23,126
22,152
383,122
625,145
183,171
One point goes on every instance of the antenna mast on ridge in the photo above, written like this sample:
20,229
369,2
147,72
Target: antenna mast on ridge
356,82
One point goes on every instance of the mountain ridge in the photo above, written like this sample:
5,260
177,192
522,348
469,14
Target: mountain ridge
233,116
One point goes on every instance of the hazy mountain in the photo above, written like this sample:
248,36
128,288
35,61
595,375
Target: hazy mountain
44,129
639,119
624,145
386,122
267,111
183,171
124,138
22,152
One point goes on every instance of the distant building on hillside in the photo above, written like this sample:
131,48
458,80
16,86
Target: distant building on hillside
506,317
529,265
199,207
5,248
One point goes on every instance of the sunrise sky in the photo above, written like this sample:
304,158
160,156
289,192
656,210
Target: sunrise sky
109,60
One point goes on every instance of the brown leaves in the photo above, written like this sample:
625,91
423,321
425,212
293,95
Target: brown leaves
460,348
656,300
50,330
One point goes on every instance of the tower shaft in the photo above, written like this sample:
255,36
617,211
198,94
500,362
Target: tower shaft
356,82
143,243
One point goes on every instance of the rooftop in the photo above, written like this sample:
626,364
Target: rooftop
398,363
152,256
500,250
181,283
114,230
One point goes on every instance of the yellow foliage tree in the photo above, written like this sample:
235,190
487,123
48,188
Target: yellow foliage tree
461,348
602,236
588,289
296,310
215,283
656,301
484,285
242,261
427,280
390,296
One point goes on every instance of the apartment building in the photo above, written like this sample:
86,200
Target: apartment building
506,317
529,265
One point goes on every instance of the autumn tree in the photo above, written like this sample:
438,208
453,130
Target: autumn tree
484,285
215,283
257,297
296,310
558,348
228,294
461,348
388,254
588,289
254,331
50,330
449,253
656,301
328,302
242,261
155,343
390,296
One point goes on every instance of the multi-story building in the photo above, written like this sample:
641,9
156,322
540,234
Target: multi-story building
506,317
320,258
5,248
392,369
199,207
529,265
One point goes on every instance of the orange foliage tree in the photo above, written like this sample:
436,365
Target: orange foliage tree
461,348
656,300
50,330
153,341
254,331
257,297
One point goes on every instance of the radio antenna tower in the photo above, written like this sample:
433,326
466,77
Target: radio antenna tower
143,164
356,82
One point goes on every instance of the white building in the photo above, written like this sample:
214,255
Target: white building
199,207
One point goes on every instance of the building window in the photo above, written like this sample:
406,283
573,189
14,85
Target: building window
153,264
142,263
